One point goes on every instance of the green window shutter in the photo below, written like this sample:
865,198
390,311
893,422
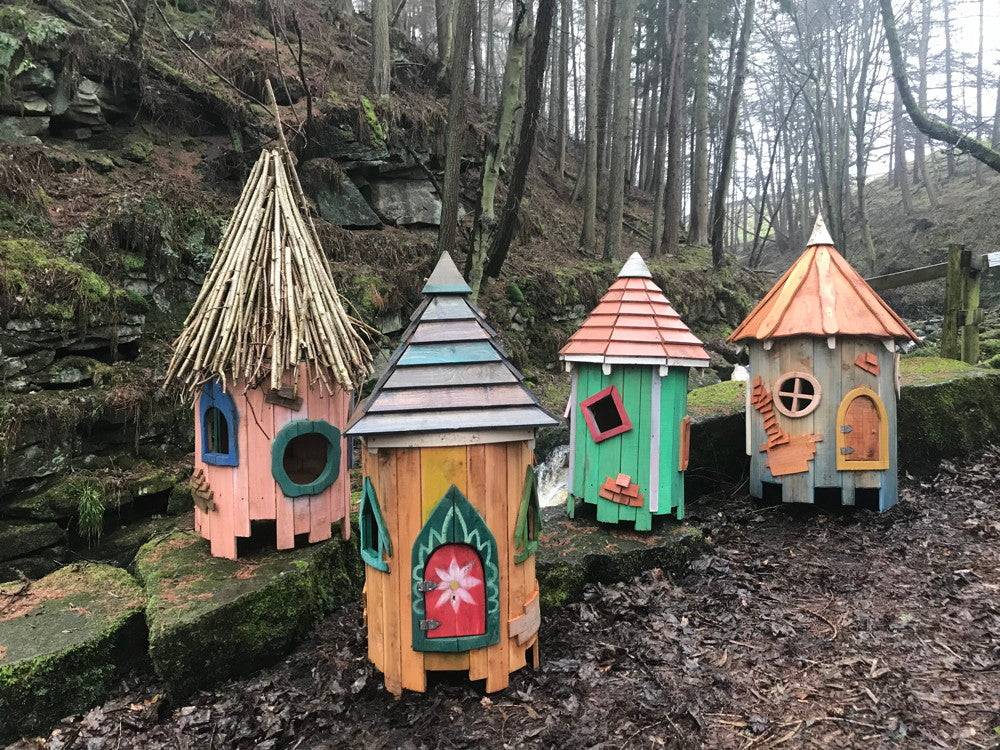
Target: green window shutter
331,469
529,519
375,542
454,520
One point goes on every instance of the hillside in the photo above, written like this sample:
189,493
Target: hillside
115,188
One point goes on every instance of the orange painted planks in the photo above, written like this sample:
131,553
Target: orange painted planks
389,501
413,676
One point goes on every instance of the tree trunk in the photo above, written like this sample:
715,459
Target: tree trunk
670,53
526,142
442,17
604,93
729,139
920,144
949,101
552,126
902,173
381,57
979,94
455,135
588,238
496,154
477,53
673,189
932,128
563,123
619,131
698,233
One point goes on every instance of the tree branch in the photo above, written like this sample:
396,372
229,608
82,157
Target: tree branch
930,126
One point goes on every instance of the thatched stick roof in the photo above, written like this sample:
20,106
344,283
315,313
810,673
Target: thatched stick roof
268,302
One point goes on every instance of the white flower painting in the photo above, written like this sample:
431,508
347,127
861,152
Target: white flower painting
455,584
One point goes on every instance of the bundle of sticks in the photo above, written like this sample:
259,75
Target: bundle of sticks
269,301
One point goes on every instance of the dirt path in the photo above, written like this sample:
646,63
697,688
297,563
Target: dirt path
802,630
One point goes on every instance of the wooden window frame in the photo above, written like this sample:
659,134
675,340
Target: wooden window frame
373,551
842,463
213,395
330,472
526,543
596,433
813,403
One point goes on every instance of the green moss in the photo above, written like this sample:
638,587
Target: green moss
379,130
73,636
138,150
25,34
181,500
33,279
210,618
927,370
713,400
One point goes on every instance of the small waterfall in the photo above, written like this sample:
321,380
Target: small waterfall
551,476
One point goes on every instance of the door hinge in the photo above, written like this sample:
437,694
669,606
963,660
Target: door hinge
847,450
845,428
429,624
425,586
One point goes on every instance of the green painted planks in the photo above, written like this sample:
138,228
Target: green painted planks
610,457
442,354
631,391
673,400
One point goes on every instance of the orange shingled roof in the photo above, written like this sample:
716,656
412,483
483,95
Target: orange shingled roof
822,295
634,320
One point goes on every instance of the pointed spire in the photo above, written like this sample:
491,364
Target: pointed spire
445,278
820,235
635,268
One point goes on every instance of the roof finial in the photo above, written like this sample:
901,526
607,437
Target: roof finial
820,235
445,278
635,268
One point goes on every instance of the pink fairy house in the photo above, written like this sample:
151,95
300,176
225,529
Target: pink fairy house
270,358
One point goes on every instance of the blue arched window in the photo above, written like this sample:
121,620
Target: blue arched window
218,419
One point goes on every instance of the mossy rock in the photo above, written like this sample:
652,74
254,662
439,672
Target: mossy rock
64,644
18,538
931,370
578,551
211,619
718,399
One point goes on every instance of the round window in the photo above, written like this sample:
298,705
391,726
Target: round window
305,457
796,394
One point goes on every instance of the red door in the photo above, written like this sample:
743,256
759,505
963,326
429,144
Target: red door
457,601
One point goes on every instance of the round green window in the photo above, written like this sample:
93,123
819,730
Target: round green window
305,457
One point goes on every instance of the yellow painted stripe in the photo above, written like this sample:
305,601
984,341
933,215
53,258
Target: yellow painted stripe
440,468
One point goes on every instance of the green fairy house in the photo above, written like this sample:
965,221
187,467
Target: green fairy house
629,433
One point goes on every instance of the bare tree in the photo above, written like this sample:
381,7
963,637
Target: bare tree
381,57
698,234
619,130
588,239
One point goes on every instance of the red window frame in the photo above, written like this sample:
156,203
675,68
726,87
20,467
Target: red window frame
588,417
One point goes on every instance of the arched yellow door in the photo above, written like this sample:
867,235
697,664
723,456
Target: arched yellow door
862,432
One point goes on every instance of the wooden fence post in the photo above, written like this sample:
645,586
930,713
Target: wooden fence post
973,314
954,291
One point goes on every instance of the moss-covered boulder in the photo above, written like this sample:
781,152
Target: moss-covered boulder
64,643
18,538
210,618
576,552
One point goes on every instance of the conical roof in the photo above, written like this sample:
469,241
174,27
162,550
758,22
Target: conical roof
268,302
634,323
449,373
822,295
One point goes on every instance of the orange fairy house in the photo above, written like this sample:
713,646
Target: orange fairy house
821,403
270,358
628,425
449,510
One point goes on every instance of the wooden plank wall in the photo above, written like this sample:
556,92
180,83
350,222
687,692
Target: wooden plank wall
837,374
409,483
673,408
248,492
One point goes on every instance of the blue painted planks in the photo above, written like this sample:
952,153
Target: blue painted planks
444,354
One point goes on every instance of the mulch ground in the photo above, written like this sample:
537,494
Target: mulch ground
803,629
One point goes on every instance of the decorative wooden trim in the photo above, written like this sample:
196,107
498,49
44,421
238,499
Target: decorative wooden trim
442,439
654,443
883,462
685,447
622,490
571,419
213,395
785,454
284,396
868,361
525,627
608,360
595,432
201,491
330,472
454,520
813,404
373,551
526,544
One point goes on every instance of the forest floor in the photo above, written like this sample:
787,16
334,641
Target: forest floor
802,629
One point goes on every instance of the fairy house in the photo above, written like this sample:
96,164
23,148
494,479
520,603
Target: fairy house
449,518
824,369
270,358
629,433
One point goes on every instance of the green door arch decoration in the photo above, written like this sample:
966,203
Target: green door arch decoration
305,457
529,519
375,542
454,521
